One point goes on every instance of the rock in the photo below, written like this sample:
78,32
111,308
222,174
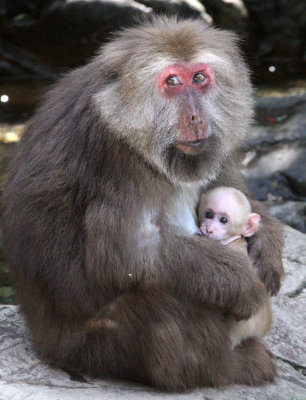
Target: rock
272,187
41,38
292,213
66,33
288,158
280,117
23,375
184,8
273,34
229,14
276,35
16,61
287,337
276,155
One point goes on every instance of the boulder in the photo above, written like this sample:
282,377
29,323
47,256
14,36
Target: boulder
292,213
24,376
229,14
276,156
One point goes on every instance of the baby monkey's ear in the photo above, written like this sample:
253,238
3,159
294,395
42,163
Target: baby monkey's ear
251,225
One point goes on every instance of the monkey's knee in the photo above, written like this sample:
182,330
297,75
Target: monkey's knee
189,352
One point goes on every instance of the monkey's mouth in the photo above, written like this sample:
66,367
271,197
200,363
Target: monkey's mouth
191,147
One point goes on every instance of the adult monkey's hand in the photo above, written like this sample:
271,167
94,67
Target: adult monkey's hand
265,249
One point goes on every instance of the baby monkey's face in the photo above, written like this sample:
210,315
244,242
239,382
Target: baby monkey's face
215,224
224,214
217,217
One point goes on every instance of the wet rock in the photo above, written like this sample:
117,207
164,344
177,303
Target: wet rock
23,375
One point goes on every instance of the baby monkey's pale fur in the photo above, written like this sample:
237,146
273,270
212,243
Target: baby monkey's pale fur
235,207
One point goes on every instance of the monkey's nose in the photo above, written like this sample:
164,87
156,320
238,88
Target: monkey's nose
209,230
197,125
196,121
193,118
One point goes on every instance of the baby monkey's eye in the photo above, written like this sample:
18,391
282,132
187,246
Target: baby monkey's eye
223,220
209,215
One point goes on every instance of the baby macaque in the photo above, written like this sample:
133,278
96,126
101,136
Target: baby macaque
225,215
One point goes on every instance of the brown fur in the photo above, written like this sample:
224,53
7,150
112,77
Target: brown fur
108,284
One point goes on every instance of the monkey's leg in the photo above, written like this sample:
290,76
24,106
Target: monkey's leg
150,337
256,326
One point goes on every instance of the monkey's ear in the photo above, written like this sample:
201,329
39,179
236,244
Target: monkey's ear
251,225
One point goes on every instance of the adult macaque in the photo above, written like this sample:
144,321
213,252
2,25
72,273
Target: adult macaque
225,215
100,214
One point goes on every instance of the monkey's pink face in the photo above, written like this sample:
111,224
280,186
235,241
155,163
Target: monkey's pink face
188,83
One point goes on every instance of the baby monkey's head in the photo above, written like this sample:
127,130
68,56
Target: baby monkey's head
225,213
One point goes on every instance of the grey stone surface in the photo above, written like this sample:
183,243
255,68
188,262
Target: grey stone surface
292,213
276,155
278,140
24,377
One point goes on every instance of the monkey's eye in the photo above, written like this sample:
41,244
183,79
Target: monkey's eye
223,220
209,215
173,80
198,77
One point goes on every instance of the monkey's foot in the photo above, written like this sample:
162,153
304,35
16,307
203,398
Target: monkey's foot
255,365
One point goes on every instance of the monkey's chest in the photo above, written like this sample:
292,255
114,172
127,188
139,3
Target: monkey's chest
181,211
